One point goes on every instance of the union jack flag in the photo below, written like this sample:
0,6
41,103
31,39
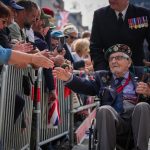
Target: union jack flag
54,114
53,110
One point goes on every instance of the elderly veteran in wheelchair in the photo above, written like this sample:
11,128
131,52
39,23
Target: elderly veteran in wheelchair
122,109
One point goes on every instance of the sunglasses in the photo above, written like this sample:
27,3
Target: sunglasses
73,37
4,21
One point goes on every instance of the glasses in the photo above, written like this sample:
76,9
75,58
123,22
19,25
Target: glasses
4,21
118,58
73,37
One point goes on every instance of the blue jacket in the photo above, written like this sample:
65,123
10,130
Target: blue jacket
100,85
5,54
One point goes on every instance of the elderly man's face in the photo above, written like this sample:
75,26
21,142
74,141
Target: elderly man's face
119,63
118,5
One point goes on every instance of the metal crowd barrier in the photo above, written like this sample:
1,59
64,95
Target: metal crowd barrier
11,135
50,134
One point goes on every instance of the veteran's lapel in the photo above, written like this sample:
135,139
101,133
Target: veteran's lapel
109,84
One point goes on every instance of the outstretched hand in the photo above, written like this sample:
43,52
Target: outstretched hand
23,47
41,61
61,74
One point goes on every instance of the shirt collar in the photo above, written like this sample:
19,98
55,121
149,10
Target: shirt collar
123,12
126,75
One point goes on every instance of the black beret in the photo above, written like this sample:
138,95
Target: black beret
118,48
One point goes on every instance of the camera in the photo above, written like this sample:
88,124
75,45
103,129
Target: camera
61,43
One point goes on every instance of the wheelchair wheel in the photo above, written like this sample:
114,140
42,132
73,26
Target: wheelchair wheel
92,136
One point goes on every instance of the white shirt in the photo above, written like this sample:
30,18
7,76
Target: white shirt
123,13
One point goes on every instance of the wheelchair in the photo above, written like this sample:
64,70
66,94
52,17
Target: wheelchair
124,141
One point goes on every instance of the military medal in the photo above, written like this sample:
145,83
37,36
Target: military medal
139,22
134,23
142,19
146,21
130,23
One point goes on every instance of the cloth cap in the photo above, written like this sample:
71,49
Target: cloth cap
12,4
44,16
48,11
118,48
57,33
49,24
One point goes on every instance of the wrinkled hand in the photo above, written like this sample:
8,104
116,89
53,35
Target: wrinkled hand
41,61
23,47
59,60
45,53
55,52
63,52
143,88
61,74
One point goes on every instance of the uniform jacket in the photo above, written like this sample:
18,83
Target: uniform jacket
105,33
102,85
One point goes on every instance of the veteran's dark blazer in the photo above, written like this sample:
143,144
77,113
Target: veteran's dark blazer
105,33
103,80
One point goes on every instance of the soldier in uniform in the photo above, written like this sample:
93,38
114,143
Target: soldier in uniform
121,107
120,22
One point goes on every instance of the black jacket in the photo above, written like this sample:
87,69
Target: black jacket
5,38
105,33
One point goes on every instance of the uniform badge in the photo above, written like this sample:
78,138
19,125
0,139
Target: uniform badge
104,79
138,22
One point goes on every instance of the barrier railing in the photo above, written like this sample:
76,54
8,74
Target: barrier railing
11,134
50,134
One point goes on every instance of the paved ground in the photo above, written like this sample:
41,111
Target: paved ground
80,147
83,145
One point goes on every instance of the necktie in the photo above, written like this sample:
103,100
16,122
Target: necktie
120,19
118,104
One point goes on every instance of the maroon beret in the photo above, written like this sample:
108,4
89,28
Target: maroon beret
48,11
